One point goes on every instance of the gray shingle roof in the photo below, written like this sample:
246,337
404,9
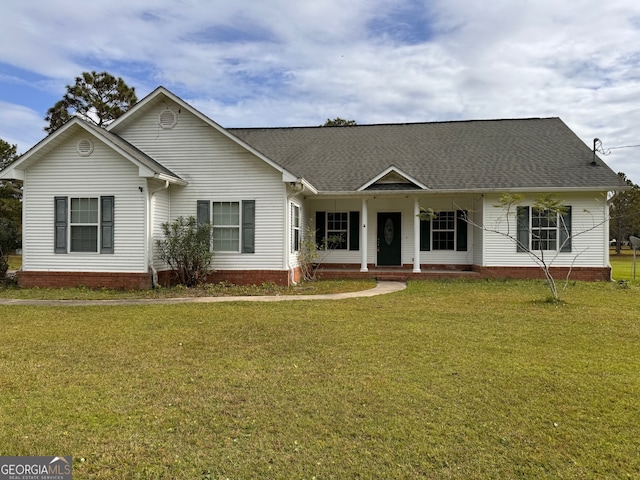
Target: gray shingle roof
536,153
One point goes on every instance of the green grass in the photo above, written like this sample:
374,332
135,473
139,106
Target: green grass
443,380
622,270
622,265
217,290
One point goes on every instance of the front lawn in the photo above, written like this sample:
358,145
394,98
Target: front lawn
209,290
443,380
622,265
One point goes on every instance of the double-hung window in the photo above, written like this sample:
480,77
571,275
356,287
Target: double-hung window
232,224
83,224
544,230
443,228
338,230
295,228
540,229
226,226
445,231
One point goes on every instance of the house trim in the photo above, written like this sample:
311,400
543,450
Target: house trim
427,193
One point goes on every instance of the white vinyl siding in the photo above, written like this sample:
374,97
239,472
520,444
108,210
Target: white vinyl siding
588,229
64,173
218,170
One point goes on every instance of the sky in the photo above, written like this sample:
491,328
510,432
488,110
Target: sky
268,63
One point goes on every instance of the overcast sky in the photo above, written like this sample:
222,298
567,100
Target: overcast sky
250,63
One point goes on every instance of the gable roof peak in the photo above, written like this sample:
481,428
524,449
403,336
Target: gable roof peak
393,178
152,100
75,125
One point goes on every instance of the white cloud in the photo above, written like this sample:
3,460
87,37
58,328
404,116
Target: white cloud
20,125
288,62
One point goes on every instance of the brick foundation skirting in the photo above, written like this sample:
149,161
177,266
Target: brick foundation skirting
110,280
590,274
133,281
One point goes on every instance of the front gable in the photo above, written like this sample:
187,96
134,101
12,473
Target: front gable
392,178
161,112
86,137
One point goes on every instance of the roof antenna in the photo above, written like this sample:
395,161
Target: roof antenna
596,143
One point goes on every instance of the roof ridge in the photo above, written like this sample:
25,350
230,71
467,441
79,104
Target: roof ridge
392,124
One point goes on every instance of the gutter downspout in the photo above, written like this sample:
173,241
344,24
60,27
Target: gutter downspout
607,206
154,273
296,189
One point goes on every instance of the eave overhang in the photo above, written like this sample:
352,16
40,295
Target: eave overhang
478,191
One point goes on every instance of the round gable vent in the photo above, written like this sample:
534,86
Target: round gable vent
168,118
85,147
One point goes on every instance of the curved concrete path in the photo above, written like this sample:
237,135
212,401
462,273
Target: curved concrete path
381,288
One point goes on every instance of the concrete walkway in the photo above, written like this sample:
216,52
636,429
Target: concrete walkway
381,288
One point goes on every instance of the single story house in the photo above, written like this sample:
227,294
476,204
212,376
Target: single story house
95,199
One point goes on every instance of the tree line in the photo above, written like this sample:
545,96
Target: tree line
624,213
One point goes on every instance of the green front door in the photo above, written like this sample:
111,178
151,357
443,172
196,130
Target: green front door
389,239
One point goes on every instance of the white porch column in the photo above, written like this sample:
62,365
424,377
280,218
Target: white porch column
416,235
363,236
